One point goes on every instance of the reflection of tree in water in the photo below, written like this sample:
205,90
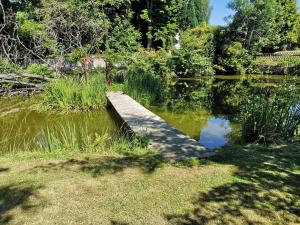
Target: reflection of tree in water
190,122
190,94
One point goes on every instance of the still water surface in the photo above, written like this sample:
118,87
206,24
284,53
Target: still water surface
21,126
213,124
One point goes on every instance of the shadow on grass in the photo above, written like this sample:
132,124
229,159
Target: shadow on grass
13,196
267,189
148,163
114,222
4,170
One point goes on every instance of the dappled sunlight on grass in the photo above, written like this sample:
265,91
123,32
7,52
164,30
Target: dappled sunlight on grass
239,185
268,191
17,196
148,163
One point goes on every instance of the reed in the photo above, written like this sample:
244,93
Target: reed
71,139
268,119
73,94
145,88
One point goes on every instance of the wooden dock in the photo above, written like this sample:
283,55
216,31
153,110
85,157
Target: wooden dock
169,142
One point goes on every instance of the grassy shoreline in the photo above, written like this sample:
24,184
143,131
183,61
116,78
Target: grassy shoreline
240,185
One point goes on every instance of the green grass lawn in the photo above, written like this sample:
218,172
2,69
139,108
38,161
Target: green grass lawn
240,185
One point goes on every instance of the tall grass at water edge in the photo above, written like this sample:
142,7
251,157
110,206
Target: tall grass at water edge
73,94
145,88
71,139
269,119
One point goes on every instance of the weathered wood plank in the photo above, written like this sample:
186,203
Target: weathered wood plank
169,142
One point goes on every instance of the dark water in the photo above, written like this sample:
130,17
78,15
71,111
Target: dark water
21,126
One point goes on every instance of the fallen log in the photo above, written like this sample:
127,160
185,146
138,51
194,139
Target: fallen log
13,76
21,83
19,91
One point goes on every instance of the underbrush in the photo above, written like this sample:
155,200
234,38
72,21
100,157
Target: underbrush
41,70
7,67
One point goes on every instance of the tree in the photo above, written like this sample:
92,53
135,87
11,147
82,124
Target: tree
288,22
264,25
54,28
196,12
254,24
160,20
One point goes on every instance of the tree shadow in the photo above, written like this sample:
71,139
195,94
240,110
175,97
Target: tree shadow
266,188
114,222
148,163
4,170
13,196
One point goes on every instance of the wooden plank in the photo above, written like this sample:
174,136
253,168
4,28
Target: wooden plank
169,142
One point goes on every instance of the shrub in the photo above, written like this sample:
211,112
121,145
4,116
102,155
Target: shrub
196,52
236,59
186,63
147,77
199,40
73,94
41,70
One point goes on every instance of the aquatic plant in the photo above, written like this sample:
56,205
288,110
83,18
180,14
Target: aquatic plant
73,94
268,119
69,138
147,77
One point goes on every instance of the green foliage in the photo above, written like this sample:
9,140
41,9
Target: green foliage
73,94
264,25
196,12
123,37
53,28
41,70
147,76
77,55
236,59
200,40
161,20
188,64
7,67
196,52
288,21
254,24
270,118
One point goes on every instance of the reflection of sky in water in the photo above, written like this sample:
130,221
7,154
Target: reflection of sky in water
214,134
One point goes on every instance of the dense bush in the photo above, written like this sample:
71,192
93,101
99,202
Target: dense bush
236,59
186,63
147,77
196,52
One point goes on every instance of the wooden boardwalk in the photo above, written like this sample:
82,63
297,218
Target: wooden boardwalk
169,142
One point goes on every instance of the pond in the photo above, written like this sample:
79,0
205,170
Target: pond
213,123
23,127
